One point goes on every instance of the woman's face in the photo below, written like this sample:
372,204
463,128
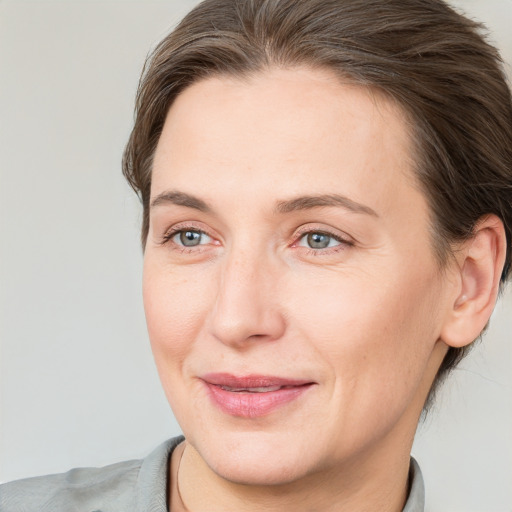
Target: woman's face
292,296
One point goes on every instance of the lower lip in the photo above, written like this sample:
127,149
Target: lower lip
253,405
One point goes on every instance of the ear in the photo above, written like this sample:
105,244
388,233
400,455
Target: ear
480,264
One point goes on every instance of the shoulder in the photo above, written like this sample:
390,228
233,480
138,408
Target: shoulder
83,489
118,487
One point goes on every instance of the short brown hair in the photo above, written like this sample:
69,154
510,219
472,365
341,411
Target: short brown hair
431,60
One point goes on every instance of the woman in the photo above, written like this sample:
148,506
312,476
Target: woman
327,221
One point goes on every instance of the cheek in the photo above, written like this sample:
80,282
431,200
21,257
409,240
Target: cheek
376,332
175,303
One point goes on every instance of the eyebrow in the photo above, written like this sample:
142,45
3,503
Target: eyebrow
181,199
309,202
291,205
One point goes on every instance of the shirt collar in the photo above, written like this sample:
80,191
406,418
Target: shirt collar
152,480
416,500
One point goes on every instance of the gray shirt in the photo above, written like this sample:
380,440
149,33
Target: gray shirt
131,486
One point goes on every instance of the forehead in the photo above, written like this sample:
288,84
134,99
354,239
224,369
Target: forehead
286,130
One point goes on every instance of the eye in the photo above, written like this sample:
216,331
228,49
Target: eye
190,238
319,240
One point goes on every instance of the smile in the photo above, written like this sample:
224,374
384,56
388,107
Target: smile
252,396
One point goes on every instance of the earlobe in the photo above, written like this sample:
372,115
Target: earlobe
481,260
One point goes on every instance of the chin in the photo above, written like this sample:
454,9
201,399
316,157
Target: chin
268,472
254,458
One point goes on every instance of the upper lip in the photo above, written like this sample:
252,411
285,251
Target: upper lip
251,381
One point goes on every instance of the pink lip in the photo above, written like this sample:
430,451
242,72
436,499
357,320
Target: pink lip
239,400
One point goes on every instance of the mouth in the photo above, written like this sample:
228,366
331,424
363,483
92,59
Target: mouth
252,396
267,389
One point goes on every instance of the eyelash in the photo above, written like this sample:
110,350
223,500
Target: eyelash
343,242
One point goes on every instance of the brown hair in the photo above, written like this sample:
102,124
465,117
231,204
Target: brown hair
428,58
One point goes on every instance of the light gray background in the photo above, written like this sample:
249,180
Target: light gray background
78,385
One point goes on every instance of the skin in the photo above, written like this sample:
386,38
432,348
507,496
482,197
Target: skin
363,318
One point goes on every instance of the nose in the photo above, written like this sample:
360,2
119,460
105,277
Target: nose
246,308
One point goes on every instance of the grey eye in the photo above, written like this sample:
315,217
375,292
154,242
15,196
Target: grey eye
190,238
318,240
